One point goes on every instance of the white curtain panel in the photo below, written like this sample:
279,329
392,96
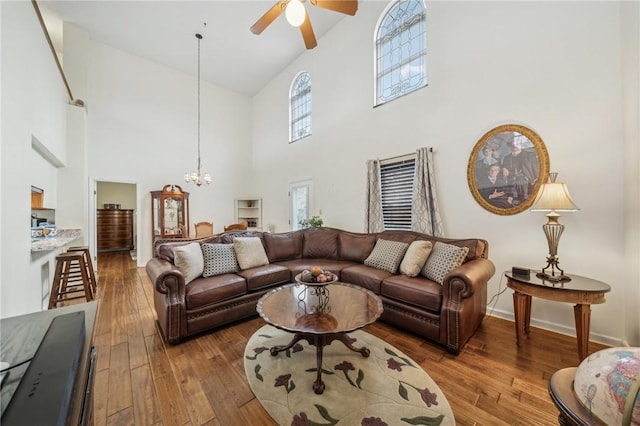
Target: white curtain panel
425,212
373,210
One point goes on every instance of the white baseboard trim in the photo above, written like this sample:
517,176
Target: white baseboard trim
562,329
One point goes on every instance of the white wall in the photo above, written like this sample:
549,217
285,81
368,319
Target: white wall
34,102
117,193
552,66
630,12
143,128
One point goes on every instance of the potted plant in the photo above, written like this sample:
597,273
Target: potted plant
315,222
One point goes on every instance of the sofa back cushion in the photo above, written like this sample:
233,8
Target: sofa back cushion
286,246
401,236
166,250
356,247
320,243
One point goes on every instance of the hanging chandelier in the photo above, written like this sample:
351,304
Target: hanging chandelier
197,177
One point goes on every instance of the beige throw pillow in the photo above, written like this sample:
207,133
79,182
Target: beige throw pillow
443,258
250,252
189,260
415,258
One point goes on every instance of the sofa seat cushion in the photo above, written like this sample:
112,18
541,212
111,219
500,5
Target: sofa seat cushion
206,291
418,291
364,276
265,276
299,265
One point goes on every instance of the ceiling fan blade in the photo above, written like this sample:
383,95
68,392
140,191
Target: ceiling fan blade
348,7
307,33
266,19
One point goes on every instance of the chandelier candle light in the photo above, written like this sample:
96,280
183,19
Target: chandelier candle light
197,177
553,197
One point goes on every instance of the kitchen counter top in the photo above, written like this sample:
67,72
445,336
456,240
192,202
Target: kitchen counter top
62,238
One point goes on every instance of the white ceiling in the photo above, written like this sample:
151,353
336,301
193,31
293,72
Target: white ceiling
164,32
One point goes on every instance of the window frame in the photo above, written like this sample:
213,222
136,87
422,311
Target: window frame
294,96
377,101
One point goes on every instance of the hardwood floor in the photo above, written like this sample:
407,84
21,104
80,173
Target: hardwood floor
141,380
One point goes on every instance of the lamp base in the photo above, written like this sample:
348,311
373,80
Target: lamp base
553,278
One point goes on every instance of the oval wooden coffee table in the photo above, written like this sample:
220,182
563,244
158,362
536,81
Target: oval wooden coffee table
320,315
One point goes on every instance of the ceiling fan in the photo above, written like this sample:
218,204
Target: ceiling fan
298,16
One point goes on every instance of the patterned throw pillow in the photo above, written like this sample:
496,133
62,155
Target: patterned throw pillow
443,258
387,255
219,259
250,252
416,256
189,260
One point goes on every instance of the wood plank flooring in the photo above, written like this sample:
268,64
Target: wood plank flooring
141,380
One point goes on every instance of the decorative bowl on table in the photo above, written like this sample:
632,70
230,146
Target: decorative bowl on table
316,276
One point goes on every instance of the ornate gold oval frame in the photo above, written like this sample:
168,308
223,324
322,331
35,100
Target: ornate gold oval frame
477,169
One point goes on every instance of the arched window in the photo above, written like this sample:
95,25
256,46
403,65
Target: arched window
300,107
401,50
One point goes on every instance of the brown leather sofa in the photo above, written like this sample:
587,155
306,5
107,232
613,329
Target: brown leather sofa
447,314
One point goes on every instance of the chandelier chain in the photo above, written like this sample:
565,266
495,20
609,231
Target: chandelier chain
199,38
197,177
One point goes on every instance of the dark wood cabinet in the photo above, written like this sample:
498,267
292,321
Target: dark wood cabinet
114,229
170,213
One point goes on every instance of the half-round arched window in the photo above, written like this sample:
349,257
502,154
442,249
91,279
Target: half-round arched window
400,50
300,107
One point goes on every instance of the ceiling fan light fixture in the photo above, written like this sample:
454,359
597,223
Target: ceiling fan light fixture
295,13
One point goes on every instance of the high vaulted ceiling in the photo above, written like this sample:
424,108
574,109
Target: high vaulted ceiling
164,32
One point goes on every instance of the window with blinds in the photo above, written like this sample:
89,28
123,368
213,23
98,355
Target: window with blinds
396,185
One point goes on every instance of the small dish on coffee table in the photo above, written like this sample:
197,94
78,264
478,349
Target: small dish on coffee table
298,279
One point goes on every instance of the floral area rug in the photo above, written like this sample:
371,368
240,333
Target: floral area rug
387,388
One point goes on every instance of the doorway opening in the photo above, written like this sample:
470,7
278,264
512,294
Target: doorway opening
300,203
114,218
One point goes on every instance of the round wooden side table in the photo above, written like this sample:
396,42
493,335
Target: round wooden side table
581,291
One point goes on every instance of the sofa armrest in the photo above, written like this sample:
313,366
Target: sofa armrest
464,302
465,280
166,278
168,298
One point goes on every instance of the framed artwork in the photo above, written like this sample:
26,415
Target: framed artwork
506,169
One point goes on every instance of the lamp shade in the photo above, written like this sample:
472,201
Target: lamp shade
554,196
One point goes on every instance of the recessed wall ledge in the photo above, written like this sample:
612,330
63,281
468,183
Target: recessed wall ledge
41,149
62,238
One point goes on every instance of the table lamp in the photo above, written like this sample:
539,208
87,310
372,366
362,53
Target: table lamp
553,197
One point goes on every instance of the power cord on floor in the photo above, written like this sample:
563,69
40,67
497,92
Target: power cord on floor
497,295
15,365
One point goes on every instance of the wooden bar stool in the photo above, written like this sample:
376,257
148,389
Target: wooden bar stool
86,254
69,284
